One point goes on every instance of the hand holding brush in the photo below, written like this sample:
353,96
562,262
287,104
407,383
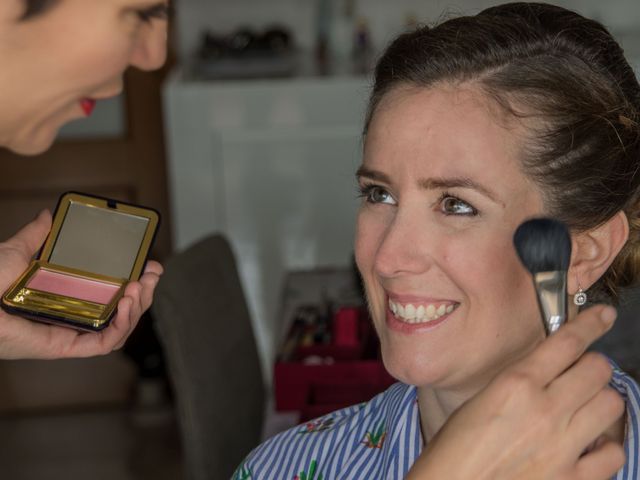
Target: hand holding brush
538,418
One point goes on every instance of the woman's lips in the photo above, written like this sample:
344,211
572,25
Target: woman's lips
87,104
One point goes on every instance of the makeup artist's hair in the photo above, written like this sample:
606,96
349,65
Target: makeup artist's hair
567,79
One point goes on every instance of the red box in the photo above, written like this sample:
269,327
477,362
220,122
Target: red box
356,375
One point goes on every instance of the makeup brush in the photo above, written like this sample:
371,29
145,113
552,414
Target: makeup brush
544,247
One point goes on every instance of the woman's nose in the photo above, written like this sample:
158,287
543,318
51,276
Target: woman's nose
404,248
150,49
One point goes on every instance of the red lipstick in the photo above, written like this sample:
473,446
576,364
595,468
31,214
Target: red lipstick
87,105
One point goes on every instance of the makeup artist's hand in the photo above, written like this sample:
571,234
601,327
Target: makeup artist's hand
21,338
536,419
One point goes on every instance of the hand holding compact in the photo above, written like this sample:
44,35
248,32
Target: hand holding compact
537,418
20,338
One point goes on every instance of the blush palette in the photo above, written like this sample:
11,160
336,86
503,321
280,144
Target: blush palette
72,286
95,247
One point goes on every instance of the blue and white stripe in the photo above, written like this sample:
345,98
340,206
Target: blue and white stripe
341,454
630,391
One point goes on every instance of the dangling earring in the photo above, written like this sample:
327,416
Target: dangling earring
580,298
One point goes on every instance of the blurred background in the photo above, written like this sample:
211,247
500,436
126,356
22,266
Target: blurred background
251,132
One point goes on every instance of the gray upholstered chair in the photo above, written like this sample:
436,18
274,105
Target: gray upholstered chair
204,327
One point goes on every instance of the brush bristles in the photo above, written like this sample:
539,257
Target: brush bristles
544,245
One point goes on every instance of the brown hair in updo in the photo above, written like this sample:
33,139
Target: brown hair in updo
567,78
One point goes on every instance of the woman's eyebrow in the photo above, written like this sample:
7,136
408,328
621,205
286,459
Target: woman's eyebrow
456,182
372,174
436,183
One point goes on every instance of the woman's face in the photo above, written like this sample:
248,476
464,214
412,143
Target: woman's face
442,196
56,64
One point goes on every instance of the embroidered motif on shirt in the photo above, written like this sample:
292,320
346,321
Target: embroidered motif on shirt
376,438
243,473
312,473
319,425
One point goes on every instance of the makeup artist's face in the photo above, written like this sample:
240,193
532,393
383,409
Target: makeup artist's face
442,196
74,52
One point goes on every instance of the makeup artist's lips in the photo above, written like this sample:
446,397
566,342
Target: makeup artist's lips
87,104
413,314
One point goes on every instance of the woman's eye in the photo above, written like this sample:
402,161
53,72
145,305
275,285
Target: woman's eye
454,206
376,194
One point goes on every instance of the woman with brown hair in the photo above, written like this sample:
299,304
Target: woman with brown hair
474,126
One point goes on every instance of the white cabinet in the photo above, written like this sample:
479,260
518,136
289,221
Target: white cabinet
272,165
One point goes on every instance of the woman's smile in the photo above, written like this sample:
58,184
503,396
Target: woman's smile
411,314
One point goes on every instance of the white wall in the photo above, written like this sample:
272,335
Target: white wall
270,164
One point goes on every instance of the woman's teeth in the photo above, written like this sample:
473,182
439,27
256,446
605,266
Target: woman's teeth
409,313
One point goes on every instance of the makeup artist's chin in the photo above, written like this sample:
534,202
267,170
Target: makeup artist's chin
38,139
37,136
33,144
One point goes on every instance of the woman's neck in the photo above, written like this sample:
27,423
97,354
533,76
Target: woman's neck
435,407
437,404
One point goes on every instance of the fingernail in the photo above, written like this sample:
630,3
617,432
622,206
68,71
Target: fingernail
608,315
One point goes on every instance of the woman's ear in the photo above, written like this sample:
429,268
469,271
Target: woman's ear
593,251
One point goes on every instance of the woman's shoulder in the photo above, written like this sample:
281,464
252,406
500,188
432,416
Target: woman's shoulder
324,442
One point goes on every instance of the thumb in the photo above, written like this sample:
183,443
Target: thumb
31,237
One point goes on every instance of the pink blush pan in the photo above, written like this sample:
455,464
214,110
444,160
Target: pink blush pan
72,286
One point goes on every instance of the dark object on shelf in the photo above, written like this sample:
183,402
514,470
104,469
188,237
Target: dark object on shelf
247,53
362,49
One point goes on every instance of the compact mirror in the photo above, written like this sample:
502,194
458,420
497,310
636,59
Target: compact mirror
95,247
101,241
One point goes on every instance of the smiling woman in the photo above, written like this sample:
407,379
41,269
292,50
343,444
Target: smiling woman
443,237
59,57
474,126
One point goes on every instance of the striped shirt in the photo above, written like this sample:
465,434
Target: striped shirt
381,439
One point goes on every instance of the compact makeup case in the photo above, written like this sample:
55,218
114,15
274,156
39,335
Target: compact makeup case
95,248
